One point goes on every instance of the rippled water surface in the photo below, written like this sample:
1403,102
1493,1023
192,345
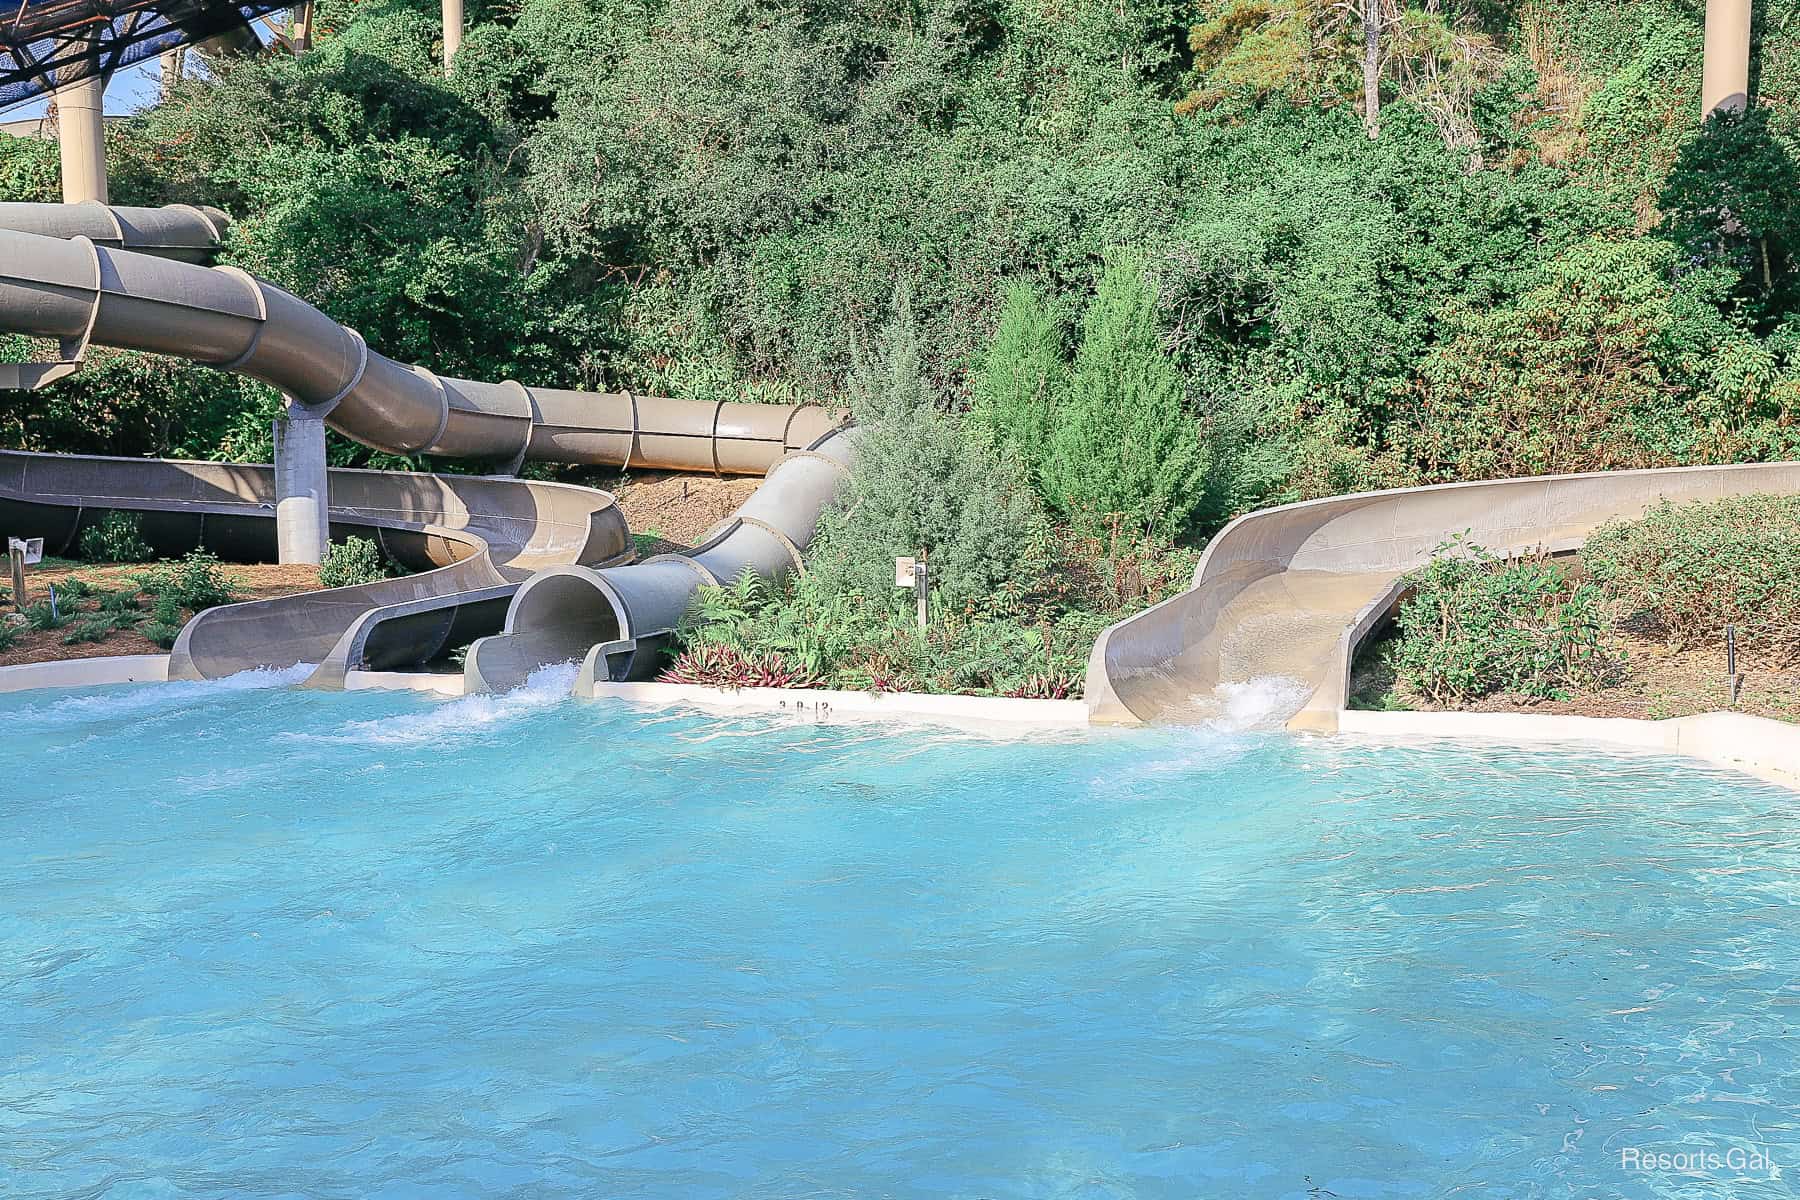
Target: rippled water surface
270,943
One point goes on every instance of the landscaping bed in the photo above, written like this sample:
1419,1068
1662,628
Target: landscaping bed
1636,626
253,581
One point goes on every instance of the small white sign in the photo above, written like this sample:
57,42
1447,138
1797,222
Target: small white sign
31,548
905,572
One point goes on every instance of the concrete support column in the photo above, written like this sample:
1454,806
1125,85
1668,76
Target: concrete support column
302,488
1725,83
80,109
453,30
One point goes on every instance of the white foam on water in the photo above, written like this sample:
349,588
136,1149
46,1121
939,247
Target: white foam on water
454,720
150,698
1265,702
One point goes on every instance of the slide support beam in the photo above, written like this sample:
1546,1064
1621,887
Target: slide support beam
453,31
81,136
302,488
1725,80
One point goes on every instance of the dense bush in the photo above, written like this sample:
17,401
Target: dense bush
115,538
352,561
1475,624
1021,381
1692,569
1124,444
195,582
922,487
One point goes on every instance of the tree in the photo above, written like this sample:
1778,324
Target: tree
922,486
1125,444
1021,379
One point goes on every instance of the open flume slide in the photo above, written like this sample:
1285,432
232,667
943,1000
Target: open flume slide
465,536
82,292
1290,592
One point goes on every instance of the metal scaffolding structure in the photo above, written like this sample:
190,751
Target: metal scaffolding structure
49,45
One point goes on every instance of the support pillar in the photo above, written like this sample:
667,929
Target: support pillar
1725,81
81,133
302,488
453,30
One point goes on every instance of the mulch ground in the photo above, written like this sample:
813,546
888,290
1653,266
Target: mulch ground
255,581
1654,683
670,513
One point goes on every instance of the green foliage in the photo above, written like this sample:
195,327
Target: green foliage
196,582
1475,624
752,635
95,628
1733,199
355,560
166,620
1690,570
116,537
922,487
120,603
1021,381
1125,445
9,636
43,615
1603,364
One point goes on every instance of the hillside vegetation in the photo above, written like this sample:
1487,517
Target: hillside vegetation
1133,267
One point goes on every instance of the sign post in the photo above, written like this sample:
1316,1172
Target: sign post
914,573
23,552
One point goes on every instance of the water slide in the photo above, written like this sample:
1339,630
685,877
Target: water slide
132,279
1289,593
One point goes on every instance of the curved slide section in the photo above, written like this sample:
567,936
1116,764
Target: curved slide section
179,231
82,292
1291,591
462,533
616,620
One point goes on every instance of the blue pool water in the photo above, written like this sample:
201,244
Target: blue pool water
270,943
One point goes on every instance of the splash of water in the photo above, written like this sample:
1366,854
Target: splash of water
455,720
1265,702
143,700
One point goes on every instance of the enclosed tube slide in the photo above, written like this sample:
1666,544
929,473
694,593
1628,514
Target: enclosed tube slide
85,293
179,231
100,284
617,619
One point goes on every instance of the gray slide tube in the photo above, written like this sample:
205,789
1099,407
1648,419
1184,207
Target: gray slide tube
616,620
83,292
177,231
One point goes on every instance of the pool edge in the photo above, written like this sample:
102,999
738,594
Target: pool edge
1757,746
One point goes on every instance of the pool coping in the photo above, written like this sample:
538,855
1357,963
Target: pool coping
85,672
1758,746
824,706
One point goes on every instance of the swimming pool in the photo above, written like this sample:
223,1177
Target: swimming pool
277,943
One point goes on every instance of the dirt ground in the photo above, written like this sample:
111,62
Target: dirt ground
256,581
1654,683
669,513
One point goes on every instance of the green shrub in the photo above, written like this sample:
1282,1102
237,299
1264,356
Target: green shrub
44,615
161,633
115,538
1692,569
1125,444
9,636
921,486
74,588
92,629
121,602
196,582
353,561
1475,624
1021,380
